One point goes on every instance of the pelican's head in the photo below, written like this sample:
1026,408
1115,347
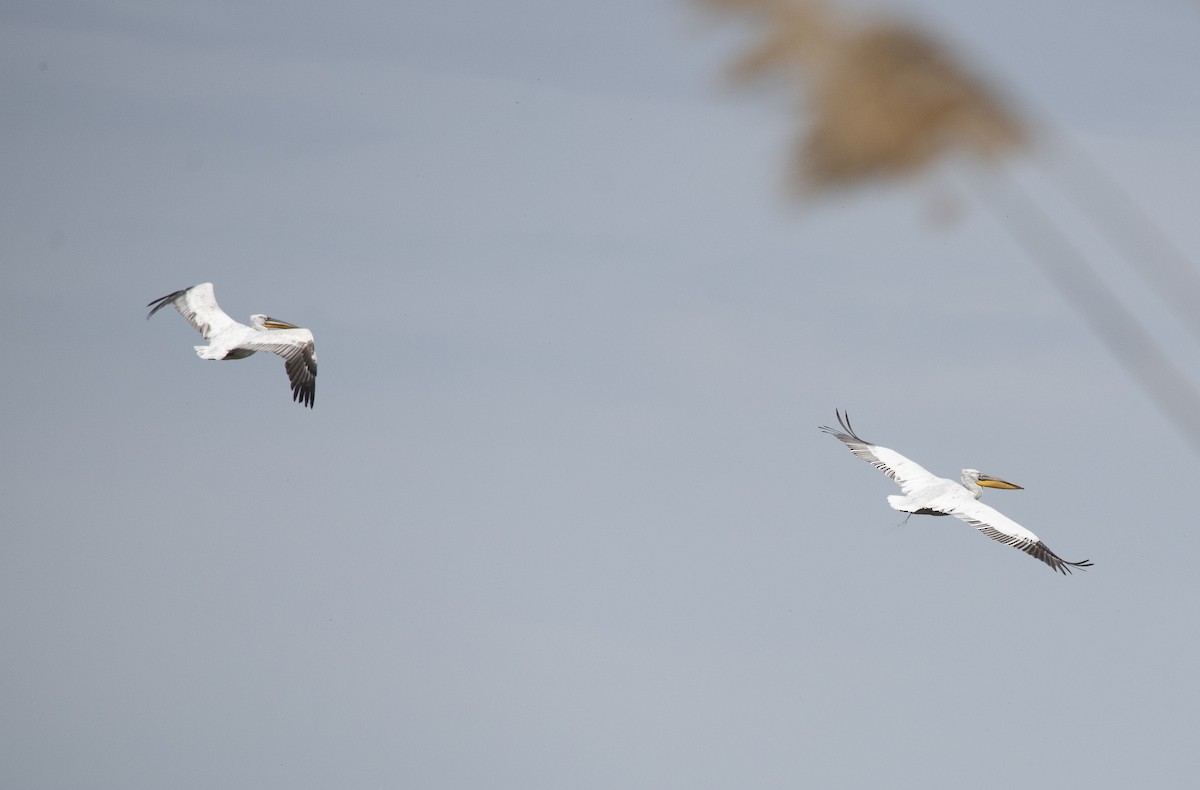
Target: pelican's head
973,479
260,321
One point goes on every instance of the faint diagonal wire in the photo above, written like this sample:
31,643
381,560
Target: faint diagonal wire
885,99
1079,284
1147,250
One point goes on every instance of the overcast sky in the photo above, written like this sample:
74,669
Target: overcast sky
562,517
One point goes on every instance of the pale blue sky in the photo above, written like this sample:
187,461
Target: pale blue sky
562,517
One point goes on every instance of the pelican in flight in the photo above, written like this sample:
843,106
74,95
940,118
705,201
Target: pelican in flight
928,495
227,339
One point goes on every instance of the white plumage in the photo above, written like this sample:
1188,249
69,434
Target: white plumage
926,494
228,339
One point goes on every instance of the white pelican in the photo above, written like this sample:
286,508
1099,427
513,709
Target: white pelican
227,339
928,495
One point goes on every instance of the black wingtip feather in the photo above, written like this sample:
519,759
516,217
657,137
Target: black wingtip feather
847,430
163,301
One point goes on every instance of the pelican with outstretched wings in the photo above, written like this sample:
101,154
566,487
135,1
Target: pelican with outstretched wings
228,339
926,494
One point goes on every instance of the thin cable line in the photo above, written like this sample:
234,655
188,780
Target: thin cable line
1080,285
1148,252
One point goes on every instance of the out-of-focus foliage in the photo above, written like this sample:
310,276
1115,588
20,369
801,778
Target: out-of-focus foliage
880,98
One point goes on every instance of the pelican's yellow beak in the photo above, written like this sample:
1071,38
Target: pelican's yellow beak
994,482
275,323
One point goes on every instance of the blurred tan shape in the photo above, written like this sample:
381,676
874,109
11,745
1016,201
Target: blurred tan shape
798,34
883,98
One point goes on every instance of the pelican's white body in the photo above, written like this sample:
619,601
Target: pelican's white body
924,493
229,339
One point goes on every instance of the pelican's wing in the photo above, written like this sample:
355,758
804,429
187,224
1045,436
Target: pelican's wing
198,305
997,526
908,474
299,359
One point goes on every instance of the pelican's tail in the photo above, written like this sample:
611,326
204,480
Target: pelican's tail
902,504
